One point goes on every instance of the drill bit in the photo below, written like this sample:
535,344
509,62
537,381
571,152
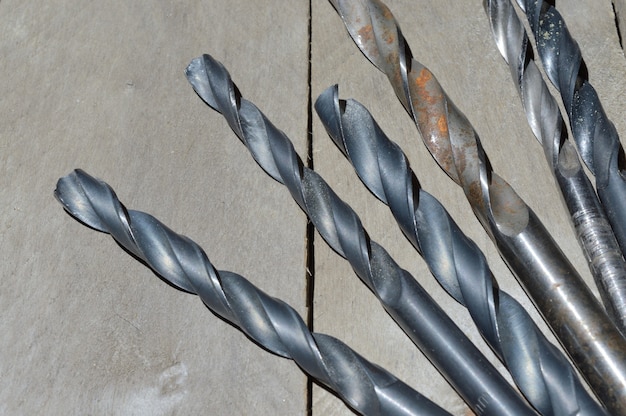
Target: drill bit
459,361
590,222
595,135
540,370
270,322
575,316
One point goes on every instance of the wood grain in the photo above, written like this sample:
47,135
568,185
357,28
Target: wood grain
100,86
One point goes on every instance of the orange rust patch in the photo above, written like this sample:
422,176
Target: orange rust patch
427,91
366,33
442,124
389,38
422,79
387,13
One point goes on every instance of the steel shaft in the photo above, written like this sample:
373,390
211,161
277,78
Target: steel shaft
273,324
458,360
583,328
540,370
592,227
595,135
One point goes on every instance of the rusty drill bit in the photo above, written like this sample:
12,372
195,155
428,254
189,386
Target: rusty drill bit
273,324
459,361
540,370
590,222
595,135
581,325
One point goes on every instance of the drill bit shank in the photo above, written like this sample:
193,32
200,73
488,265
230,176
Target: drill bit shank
273,324
583,328
539,369
590,222
595,135
459,361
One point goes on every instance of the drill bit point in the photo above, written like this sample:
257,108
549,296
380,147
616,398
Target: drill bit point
540,370
270,322
400,294
593,342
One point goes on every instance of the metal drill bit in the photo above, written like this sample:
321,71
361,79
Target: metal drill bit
595,135
273,324
581,325
590,222
540,370
459,361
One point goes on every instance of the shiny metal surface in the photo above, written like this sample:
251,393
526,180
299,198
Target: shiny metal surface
540,370
270,322
594,134
461,363
590,222
583,328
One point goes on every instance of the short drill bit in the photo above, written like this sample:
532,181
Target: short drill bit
581,325
590,222
595,135
458,360
273,324
540,370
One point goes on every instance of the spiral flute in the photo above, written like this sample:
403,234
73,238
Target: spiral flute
583,328
458,360
590,222
595,135
539,369
273,324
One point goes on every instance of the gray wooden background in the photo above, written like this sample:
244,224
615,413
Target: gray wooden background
86,329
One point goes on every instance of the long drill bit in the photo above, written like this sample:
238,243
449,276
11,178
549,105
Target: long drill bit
581,325
540,370
595,135
273,324
459,361
590,222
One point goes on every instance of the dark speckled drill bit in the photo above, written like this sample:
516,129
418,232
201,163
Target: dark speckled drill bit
540,370
595,135
578,320
458,360
276,326
590,222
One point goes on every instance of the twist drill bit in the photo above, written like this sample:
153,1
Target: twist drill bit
458,360
581,325
590,222
539,369
595,135
273,324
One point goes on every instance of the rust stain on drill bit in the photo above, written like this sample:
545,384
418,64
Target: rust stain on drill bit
428,102
340,227
442,124
366,33
528,248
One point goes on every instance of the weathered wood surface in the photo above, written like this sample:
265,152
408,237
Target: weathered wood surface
100,85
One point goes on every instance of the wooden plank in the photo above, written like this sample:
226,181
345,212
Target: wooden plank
454,40
100,85
619,8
